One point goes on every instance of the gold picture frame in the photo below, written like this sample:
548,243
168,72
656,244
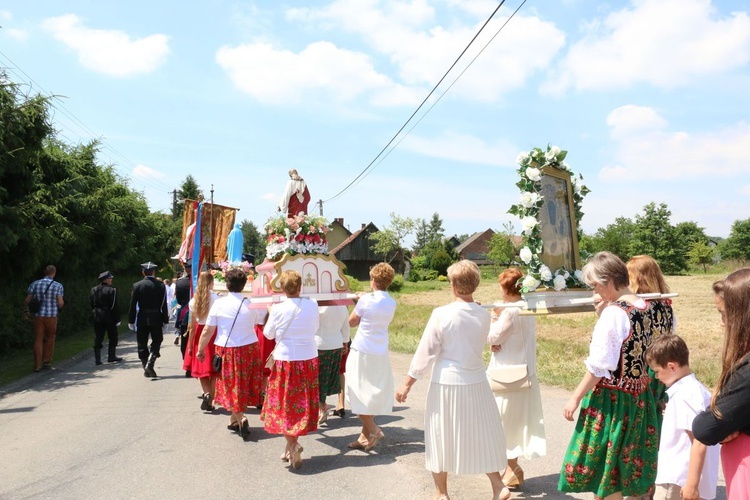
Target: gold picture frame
558,228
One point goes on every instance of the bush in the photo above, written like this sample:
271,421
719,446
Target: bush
442,278
430,275
398,283
355,285
440,262
415,275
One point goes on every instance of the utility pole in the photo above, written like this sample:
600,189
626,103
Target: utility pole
211,221
174,203
320,204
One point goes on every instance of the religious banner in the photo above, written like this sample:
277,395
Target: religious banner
215,223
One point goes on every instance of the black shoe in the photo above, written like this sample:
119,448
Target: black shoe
47,366
149,372
234,427
206,403
98,362
115,360
176,340
245,429
339,413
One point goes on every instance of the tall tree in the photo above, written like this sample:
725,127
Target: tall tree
189,190
389,242
700,254
253,241
737,245
615,238
435,231
654,235
421,230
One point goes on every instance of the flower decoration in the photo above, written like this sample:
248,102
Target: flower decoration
225,266
300,234
530,171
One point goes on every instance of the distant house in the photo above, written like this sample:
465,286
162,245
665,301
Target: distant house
452,241
476,248
337,233
355,252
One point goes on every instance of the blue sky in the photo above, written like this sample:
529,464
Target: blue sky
648,96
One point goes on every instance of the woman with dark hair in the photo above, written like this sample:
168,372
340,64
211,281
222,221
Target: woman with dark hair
199,306
614,447
728,419
463,432
291,405
513,340
232,322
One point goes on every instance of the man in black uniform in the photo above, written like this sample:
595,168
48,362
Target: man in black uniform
149,302
182,296
106,312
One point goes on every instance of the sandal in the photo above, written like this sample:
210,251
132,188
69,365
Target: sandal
356,445
513,478
374,440
296,456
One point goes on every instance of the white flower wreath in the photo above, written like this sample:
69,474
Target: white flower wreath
530,170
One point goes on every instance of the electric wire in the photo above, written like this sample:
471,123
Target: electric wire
370,165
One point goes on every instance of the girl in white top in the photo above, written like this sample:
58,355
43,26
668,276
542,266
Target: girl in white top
369,378
233,322
291,405
199,307
463,430
513,340
331,338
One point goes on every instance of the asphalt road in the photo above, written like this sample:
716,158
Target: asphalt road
87,432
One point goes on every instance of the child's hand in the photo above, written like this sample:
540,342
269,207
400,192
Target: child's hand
690,492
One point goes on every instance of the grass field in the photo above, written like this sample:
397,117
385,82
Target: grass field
562,340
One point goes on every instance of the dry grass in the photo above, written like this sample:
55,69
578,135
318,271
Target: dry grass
563,339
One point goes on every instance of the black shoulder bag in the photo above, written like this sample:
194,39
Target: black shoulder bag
35,304
217,360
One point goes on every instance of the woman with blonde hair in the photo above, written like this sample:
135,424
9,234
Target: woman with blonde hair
199,306
728,419
513,340
291,405
463,432
231,323
369,378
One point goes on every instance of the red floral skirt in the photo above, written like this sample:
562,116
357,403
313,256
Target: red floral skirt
238,385
291,405
198,368
735,461
266,346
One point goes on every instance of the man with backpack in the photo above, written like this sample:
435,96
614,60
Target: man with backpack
44,298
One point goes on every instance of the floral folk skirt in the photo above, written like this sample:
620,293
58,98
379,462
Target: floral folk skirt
329,378
266,347
735,462
614,446
198,368
238,385
291,405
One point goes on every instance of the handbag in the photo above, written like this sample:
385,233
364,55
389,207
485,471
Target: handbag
270,360
217,360
510,378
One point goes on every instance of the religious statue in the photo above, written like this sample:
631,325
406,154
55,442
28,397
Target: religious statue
234,244
296,196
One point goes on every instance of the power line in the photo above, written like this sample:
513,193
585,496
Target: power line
444,92
370,165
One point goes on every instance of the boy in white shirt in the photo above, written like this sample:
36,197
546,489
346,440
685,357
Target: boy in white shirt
687,469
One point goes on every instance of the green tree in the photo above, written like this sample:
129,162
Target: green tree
254,242
654,235
615,238
435,231
189,190
502,252
737,245
420,235
388,242
440,262
700,254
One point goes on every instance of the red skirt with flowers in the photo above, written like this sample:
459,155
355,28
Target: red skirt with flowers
198,368
291,405
266,347
238,385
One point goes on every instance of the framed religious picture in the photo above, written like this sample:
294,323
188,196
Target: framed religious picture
557,221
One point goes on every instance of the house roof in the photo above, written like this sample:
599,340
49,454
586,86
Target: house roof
472,239
351,238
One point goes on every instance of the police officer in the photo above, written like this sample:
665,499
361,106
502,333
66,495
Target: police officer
106,312
149,303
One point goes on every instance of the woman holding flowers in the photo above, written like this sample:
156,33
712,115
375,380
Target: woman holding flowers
613,450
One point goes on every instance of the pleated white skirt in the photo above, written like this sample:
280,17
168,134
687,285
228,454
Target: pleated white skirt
463,433
523,421
369,384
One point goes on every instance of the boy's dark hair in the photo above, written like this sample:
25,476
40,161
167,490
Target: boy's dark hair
668,348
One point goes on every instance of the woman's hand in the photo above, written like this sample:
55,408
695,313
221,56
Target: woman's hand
496,348
201,356
570,408
599,304
730,437
401,394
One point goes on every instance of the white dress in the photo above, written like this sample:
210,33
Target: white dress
463,432
521,411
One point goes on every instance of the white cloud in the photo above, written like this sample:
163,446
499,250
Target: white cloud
745,190
5,15
282,76
144,172
653,151
660,42
271,197
111,52
463,148
421,51
18,34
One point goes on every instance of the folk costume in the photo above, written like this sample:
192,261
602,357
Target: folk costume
200,368
332,335
614,446
105,310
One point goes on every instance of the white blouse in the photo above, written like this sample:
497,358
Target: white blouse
376,311
222,315
333,331
516,335
610,331
213,297
452,345
293,324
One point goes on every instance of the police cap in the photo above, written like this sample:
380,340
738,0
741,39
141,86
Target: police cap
148,266
105,275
